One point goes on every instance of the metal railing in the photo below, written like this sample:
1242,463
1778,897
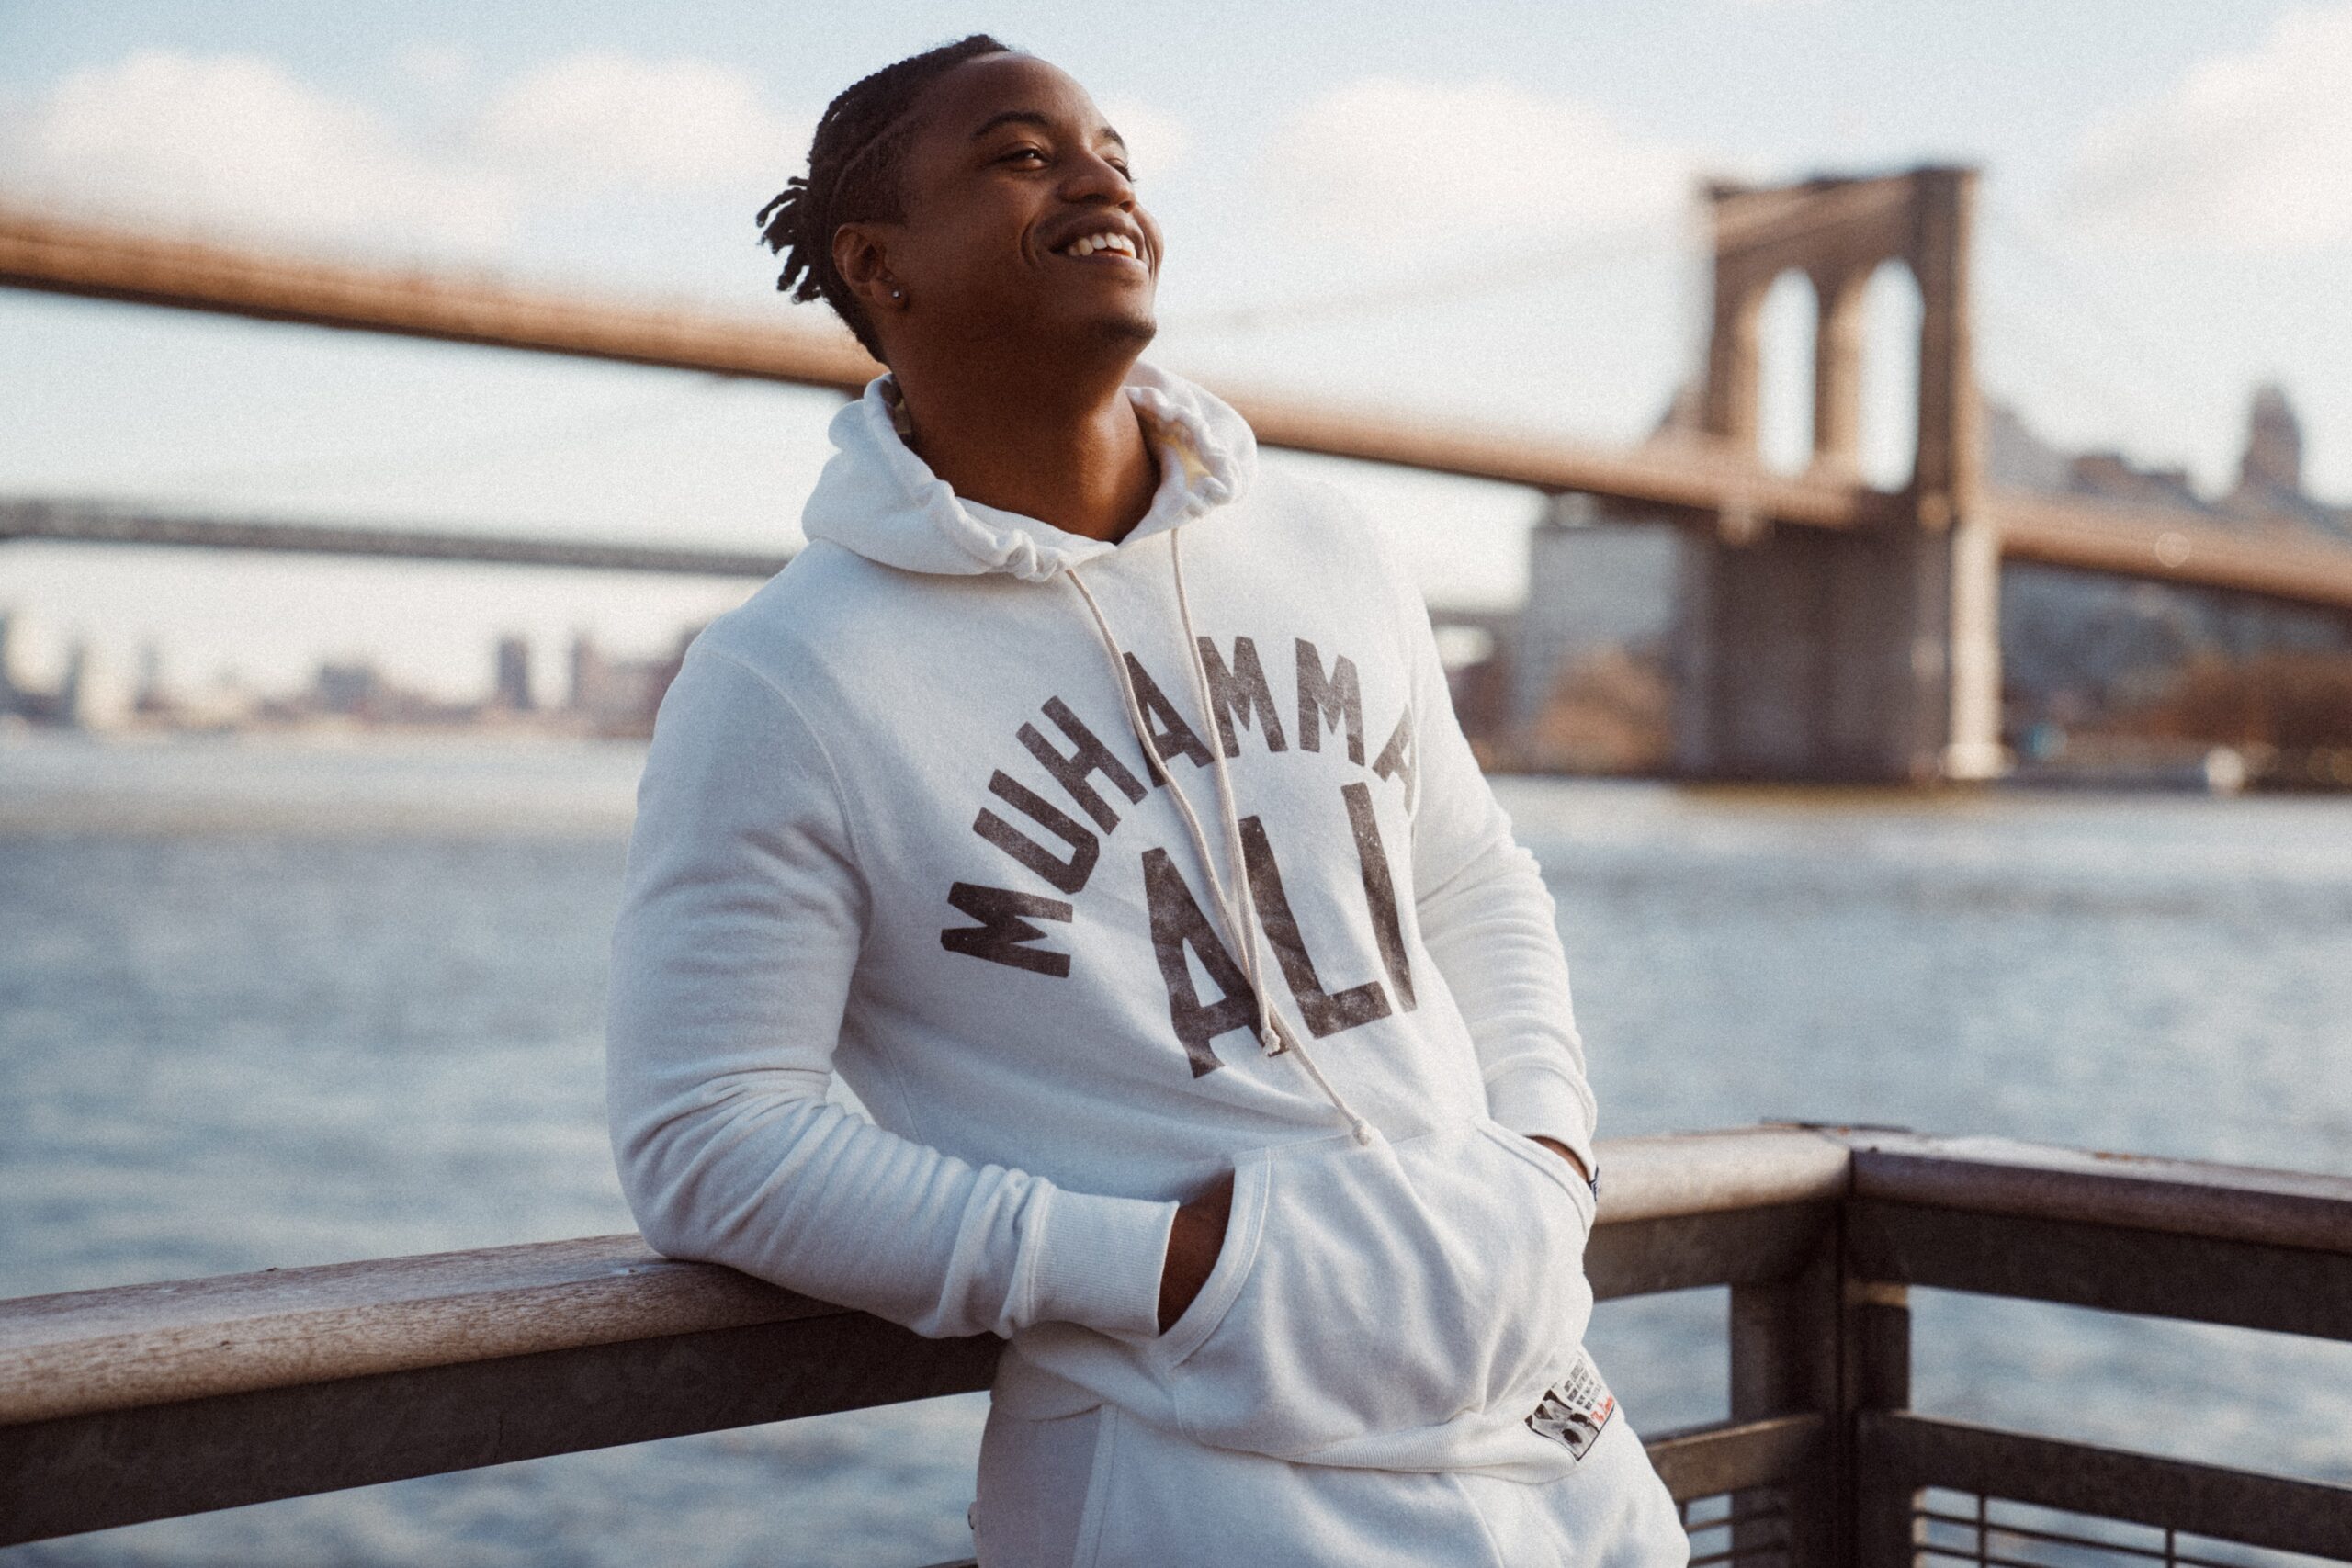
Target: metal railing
152,1401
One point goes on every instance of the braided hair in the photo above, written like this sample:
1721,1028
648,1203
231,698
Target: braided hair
854,164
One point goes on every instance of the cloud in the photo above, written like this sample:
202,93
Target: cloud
236,142
439,66
2249,153
233,140
614,122
1382,157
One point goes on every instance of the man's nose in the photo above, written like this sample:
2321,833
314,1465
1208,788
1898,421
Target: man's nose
1095,178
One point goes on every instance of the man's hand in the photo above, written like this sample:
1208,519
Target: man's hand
1561,1149
1193,1248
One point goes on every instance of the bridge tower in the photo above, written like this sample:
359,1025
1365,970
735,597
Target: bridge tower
1869,654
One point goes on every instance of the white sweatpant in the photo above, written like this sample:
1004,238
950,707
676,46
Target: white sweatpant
1102,1489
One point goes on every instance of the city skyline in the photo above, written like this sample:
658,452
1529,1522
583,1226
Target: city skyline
602,690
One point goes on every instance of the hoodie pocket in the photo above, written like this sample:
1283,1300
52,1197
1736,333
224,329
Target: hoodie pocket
1382,1288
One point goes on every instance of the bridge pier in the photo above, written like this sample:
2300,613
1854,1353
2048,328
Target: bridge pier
1864,654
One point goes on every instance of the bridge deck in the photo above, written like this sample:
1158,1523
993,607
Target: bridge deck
1689,479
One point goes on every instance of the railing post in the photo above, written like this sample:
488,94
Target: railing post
1825,1338
1877,1350
1786,1358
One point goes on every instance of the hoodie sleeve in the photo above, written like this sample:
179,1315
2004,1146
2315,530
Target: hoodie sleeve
1485,915
740,925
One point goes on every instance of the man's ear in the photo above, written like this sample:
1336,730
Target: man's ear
862,255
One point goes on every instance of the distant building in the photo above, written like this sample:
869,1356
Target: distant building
87,694
2080,650
1585,668
2272,467
24,691
513,691
2269,494
353,688
619,697
11,690
356,689
2111,476
2270,473
587,673
152,697
92,695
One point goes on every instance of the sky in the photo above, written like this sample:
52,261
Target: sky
1479,210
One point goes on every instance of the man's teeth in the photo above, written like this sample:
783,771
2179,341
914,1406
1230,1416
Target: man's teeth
1093,242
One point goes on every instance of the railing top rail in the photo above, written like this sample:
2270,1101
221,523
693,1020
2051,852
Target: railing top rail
111,1350
2003,1176
1677,1174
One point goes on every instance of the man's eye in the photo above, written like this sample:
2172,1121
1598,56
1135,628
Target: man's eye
1025,153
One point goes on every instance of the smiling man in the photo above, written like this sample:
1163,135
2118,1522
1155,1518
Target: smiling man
1089,800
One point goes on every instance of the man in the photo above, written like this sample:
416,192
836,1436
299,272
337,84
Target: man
1090,800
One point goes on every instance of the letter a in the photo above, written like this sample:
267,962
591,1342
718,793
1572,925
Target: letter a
1177,923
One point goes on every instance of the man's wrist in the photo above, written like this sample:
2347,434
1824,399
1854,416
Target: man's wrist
1591,1174
1194,1241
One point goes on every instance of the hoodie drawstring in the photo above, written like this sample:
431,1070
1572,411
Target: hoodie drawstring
1240,909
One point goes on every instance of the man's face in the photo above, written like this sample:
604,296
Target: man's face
1011,184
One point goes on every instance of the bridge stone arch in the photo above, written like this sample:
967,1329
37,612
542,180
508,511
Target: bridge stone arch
1787,311
1869,654
1838,232
1890,352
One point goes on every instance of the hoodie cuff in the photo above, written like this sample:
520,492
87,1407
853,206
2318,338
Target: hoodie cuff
1536,1102
1099,1261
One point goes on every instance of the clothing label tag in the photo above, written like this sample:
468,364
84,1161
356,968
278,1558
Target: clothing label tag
1576,1410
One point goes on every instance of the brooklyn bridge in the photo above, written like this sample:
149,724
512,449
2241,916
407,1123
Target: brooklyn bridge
1826,630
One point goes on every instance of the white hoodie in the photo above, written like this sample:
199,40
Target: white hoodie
897,822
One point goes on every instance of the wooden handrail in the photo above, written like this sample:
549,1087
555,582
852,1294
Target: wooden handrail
111,1350
2003,1176
107,1349
147,1401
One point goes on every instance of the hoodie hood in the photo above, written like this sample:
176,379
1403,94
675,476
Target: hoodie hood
878,498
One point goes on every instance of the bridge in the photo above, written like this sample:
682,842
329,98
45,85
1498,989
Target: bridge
1830,630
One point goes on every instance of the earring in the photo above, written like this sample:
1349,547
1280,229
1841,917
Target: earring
898,294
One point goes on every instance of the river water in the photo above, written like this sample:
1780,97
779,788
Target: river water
272,1002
